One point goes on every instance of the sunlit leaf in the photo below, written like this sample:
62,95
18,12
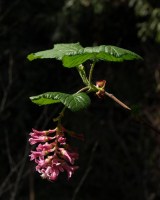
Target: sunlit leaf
74,54
75,102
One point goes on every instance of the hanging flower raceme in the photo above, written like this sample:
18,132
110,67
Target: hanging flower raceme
50,158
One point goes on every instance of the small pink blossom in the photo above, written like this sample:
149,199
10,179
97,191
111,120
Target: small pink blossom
53,176
36,154
36,139
42,163
45,147
41,133
69,169
52,171
71,157
37,133
62,140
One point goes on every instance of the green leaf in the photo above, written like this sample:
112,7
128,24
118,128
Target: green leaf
72,61
74,54
135,110
106,53
58,52
75,102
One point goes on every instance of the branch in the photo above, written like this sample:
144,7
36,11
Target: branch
86,172
117,100
16,184
140,119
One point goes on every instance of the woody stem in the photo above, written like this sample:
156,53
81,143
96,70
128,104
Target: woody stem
117,100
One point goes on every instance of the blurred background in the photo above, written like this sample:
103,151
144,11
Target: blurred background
120,158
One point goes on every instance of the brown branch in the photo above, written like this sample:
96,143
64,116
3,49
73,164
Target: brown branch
117,100
148,125
140,119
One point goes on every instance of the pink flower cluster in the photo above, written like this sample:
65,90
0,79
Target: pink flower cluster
50,158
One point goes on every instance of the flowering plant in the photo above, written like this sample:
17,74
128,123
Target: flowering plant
54,155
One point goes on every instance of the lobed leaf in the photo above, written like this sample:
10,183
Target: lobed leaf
58,52
74,54
75,102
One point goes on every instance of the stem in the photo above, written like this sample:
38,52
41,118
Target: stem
148,125
141,120
61,114
85,88
117,100
82,74
91,71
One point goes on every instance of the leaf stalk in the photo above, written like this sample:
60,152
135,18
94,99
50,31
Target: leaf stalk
91,71
82,74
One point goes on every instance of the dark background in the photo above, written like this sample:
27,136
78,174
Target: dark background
119,158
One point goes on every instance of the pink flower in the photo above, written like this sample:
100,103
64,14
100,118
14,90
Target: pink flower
71,157
62,140
36,154
36,139
37,133
69,169
42,163
41,133
45,147
52,171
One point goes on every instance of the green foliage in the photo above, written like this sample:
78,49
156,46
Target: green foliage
74,54
149,27
58,52
135,110
75,102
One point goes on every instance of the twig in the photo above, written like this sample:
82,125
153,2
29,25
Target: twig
31,183
7,188
148,125
8,10
14,99
11,162
117,100
8,177
20,173
6,90
86,172
141,120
